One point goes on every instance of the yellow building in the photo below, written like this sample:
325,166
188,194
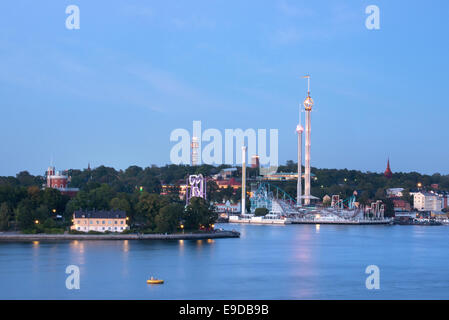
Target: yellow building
99,221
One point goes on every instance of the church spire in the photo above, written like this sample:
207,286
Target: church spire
388,174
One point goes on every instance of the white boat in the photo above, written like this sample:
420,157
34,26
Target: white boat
267,219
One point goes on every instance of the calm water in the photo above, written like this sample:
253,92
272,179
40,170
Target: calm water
267,262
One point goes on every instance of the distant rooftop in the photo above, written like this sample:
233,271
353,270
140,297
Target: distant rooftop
79,214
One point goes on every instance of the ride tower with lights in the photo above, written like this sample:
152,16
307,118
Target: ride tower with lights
308,104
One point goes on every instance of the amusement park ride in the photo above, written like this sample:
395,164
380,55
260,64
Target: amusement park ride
284,209
277,201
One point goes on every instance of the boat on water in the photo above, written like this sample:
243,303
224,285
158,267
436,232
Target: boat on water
270,218
155,281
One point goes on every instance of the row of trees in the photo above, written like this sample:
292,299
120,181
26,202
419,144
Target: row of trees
24,205
31,209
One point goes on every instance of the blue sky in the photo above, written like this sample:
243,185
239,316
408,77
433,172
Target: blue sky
111,92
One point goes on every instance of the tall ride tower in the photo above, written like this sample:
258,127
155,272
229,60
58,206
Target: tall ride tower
299,131
243,208
194,146
308,103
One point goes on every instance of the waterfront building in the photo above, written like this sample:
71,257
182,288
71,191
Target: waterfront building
427,201
59,180
401,205
100,221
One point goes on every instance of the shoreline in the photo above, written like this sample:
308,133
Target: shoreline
188,236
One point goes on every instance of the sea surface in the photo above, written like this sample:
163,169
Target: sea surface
267,262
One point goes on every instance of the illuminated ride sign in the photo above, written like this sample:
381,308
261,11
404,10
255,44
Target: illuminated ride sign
196,187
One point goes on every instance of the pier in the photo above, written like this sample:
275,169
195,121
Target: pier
7,236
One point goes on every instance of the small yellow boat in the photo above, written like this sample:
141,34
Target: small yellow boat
155,281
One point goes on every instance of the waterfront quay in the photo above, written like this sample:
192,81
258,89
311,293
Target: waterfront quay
179,236
342,221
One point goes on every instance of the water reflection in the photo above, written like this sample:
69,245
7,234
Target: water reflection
77,248
304,271
126,246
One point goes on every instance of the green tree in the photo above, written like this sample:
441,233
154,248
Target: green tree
25,215
169,217
42,213
198,213
5,217
407,197
389,208
120,204
148,208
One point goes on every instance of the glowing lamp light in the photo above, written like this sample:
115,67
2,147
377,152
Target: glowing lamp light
36,221
419,184
182,226
54,210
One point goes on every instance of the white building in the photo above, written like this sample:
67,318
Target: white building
426,201
395,192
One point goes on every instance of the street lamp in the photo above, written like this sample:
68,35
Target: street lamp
182,228
419,184
36,221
